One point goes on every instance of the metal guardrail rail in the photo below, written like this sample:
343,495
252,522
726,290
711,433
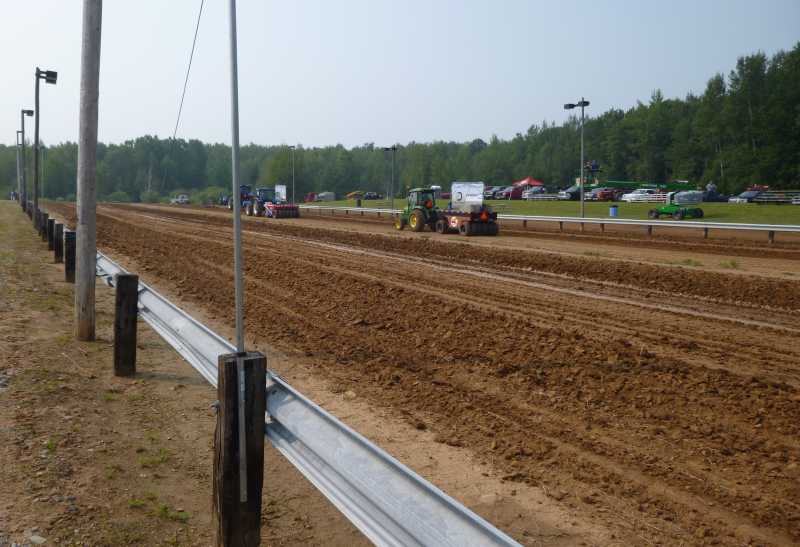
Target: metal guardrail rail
587,220
386,500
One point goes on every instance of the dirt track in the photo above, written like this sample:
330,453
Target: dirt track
659,404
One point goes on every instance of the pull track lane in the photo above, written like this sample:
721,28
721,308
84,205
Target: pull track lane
516,277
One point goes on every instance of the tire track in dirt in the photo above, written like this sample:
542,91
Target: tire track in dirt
610,407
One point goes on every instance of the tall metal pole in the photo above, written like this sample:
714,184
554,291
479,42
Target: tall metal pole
36,156
391,206
43,155
19,170
293,201
86,240
24,161
583,203
237,211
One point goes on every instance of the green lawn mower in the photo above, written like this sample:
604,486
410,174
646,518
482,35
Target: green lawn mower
678,206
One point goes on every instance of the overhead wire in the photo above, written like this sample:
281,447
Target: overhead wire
188,68
183,93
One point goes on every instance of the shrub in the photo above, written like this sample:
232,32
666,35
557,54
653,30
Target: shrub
118,197
150,197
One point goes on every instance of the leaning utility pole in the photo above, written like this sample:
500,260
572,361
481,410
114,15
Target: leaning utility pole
86,246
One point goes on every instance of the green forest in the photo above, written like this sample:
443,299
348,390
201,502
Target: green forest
744,129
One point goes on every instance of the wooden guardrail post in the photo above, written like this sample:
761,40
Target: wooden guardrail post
239,448
771,236
705,233
43,226
126,313
69,256
58,243
51,223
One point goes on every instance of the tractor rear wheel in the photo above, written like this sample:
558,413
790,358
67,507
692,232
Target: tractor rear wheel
417,221
698,213
399,223
652,214
466,229
249,209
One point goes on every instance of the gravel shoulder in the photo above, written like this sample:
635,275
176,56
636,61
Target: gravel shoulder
91,459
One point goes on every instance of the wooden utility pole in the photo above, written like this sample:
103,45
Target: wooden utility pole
86,247
239,448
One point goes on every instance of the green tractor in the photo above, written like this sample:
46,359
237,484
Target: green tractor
420,210
677,206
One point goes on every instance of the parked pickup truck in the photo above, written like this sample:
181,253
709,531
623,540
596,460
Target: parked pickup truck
180,199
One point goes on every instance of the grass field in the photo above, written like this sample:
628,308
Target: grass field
714,212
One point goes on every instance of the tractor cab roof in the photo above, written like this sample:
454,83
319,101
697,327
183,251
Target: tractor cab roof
421,190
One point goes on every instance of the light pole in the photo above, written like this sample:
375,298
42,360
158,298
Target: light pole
50,77
393,150
237,222
19,171
292,149
583,103
22,115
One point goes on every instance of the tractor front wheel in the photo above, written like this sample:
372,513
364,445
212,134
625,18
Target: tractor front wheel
652,214
698,213
399,223
417,221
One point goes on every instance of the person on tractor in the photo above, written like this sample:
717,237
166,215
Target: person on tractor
420,210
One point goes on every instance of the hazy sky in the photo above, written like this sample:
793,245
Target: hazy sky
356,71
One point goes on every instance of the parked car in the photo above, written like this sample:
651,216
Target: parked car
571,193
605,194
509,192
372,195
490,191
531,191
639,194
180,199
745,197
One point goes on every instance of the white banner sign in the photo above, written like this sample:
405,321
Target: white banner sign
467,193
280,192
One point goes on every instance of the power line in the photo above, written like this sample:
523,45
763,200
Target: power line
188,69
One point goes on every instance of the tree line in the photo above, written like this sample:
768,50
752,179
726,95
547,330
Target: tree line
743,129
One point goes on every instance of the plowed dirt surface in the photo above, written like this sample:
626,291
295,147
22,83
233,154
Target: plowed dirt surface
654,404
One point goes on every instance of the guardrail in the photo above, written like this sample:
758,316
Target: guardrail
771,229
386,500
